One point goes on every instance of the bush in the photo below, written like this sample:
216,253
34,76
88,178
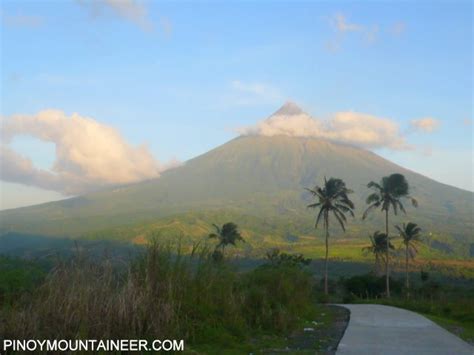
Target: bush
276,258
370,286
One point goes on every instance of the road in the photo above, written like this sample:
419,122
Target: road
377,329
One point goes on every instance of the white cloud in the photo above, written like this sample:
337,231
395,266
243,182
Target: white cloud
89,154
341,24
368,33
130,10
358,129
426,124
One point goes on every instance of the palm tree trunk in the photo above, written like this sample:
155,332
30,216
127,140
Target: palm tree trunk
326,222
387,270
406,271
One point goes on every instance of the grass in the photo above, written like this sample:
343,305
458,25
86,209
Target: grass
464,330
166,294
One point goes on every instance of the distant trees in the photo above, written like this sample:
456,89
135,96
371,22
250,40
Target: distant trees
228,234
331,199
387,195
378,247
411,236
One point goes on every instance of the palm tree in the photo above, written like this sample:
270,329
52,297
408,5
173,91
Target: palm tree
331,198
227,235
378,246
411,235
388,194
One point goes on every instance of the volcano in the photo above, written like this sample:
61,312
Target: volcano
258,178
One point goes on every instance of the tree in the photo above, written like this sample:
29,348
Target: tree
378,247
227,235
388,194
411,235
332,199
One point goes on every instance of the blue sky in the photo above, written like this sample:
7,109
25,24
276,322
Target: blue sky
182,76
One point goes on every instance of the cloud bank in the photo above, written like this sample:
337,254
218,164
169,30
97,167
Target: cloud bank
89,155
357,129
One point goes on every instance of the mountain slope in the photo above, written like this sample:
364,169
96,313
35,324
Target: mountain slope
259,183
253,175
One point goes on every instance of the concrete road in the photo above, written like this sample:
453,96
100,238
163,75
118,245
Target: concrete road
376,329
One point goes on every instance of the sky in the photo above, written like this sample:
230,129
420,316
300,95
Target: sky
97,93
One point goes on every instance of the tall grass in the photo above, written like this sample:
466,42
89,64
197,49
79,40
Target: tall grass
162,294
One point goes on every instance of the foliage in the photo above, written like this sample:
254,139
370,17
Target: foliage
378,247
369,286
162,294
277,258
411,237
18,276
332,199
388,194
227,235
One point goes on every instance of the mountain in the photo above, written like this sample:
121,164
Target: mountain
258,182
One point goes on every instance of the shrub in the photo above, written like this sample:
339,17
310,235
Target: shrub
370,286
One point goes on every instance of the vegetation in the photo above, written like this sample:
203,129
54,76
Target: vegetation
332,199
227,235
378,248
197,294
411,236
18,277
164,294
388,194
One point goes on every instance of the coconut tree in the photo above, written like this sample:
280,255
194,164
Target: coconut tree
411,236
387,195
331,200
377,247
228,234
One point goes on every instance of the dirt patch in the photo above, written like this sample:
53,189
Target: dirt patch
320,337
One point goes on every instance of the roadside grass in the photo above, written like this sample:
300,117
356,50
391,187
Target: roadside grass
464,330
166,294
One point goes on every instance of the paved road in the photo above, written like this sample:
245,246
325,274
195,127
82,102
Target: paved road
376,329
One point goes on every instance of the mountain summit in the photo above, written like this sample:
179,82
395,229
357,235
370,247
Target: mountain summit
289,109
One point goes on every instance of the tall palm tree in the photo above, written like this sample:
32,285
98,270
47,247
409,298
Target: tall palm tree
378,247
332,198
388,194
227,235
411,235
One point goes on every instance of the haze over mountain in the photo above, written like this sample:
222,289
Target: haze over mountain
253,177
